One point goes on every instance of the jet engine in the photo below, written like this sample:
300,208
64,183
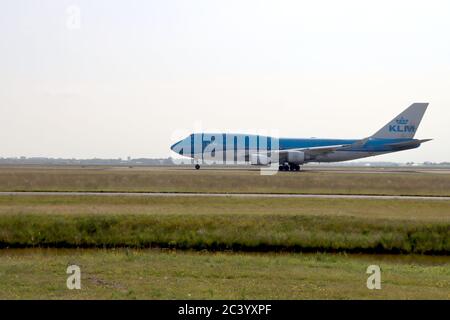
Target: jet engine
259,159
296,157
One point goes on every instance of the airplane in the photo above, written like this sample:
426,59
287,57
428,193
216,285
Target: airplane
289,153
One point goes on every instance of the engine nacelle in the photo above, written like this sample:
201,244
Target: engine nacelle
296,157
259,159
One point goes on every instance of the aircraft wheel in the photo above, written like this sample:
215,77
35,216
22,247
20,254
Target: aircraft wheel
197,166
280,168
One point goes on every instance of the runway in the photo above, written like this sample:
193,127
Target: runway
238,195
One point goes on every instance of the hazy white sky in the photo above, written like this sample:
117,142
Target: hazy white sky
136,75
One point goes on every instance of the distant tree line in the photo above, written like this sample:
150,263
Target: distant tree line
169,162
87,162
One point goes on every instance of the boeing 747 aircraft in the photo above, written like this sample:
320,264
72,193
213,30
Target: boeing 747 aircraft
290,153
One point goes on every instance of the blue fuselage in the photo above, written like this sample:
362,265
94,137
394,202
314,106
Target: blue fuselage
239,147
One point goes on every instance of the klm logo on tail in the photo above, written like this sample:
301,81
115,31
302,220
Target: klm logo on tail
401,126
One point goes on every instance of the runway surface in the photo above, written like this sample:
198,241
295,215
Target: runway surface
240,195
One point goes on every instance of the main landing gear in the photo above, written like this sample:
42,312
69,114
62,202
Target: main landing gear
289,167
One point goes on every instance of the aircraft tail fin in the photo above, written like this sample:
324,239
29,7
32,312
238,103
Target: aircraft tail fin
404,125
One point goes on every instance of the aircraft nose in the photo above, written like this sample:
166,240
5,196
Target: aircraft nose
172,147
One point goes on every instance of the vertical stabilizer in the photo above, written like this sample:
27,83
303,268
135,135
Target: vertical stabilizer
404,125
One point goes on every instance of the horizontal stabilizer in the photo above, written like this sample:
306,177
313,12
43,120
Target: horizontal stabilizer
408,143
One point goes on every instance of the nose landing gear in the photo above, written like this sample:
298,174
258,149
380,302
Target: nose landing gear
197,166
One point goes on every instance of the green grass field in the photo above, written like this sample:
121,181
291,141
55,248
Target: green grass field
219,181
152,274
215,223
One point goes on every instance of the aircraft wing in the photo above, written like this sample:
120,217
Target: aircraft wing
357,144
313,151
309,152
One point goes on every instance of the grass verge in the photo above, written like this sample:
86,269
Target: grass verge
221,181
226,232
218,223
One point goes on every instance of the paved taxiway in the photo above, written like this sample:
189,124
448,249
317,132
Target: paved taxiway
241,195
